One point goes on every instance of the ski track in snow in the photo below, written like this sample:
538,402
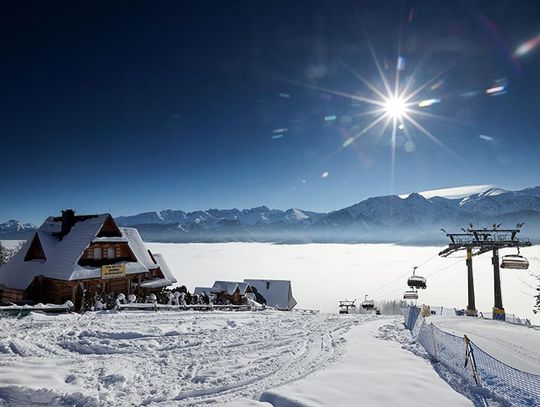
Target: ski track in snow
142,358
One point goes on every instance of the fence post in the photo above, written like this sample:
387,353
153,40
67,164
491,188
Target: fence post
469,359
434,344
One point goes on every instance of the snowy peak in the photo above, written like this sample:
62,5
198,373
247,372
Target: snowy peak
13,229
295,215
13,225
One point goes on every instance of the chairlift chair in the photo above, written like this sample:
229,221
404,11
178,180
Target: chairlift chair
410,295
368,304
416,282
514,261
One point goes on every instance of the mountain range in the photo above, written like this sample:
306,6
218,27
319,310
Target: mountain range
415,218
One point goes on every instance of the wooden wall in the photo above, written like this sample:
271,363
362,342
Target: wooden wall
8,295
52,291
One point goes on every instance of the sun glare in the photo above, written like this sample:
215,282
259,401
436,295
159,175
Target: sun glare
395,107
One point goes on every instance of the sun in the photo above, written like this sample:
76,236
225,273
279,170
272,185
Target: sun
395,107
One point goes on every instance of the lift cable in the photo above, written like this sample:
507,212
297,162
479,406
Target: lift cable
429,275
445,268
390,282
402,275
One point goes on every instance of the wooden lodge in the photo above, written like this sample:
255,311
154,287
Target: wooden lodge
71,257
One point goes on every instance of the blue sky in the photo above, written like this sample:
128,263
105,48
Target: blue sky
138,106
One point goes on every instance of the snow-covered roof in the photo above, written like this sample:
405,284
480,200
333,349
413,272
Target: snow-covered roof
156,283
200,290
136,244
230,287
167,273
277,293
62,255
110,239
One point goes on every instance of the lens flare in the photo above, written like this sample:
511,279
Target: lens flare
528,46
496,90
428,102
395,107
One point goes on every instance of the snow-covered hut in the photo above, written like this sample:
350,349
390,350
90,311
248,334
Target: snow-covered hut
231,291
202,290
276,293
72,256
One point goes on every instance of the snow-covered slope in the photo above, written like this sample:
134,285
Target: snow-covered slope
168,358
496,201
454,192
376,370
236,359
393,210
190,358
516,345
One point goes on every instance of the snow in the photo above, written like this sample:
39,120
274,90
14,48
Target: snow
496,201
11,244
229,287
267,358
517,346
374,371
454,192
167,273
323,274
191,358
179,357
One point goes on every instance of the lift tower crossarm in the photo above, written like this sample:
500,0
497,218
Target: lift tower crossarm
477,241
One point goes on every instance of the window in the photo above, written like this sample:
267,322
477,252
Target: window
111,253
97,253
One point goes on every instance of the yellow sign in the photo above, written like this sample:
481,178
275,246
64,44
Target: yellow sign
113,270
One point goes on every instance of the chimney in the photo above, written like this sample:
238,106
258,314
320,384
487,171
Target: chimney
68,220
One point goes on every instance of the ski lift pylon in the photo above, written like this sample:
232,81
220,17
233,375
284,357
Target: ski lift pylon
345,305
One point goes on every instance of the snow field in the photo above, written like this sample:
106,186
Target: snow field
376,369
149,358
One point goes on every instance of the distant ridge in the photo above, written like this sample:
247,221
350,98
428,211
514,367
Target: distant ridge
412,218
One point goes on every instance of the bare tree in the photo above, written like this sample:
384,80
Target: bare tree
6,254
536,307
